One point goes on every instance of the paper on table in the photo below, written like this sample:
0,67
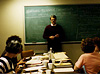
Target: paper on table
61,52
56,64
40,57
67,65
63,70
63,59
33,68
31,73
33,62
60,56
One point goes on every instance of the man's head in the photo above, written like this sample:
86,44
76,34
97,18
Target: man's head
53,19
13,45
87,45
14,37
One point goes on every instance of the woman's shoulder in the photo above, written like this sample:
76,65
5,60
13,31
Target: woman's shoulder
85,54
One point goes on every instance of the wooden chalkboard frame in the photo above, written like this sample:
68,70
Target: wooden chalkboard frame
46,42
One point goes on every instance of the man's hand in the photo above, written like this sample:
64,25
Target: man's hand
21,62
57,35
51,37
18,68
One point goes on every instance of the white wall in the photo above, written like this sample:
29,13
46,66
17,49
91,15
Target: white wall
12,23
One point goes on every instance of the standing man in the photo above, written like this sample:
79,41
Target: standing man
54,35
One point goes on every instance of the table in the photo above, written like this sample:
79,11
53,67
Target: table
35,63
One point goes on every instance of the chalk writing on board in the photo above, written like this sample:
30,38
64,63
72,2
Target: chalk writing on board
78,21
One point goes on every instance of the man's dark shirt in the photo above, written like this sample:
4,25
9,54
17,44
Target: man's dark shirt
56,42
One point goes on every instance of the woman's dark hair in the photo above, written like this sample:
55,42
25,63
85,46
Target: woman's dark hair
87,45
13,44
53,16
96,41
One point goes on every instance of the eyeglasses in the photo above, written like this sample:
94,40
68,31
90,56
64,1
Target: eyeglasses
53,19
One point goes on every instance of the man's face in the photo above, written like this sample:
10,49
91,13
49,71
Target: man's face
15,55
53,20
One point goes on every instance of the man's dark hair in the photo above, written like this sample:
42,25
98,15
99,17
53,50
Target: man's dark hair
14,37
53,16
87,45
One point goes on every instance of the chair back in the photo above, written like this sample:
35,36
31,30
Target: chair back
84,69
27,53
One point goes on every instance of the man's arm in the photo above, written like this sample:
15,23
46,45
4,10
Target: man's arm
45,34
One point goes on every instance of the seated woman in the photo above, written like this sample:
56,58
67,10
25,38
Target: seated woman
96,41
90,59
13,48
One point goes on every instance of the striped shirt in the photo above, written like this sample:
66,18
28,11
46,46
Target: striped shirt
6,65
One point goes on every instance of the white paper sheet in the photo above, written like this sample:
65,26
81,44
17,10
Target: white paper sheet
33,68
60,56
33,62
31,73
63,70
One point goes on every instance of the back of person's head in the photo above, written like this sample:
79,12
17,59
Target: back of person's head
13,45
53,16
87,45
13,37
96,41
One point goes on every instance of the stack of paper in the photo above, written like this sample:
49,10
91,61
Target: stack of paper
40,57
60,56
33,62
33,68
62,60
61,52
63,65
64,70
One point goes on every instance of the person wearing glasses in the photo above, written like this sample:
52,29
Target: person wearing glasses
54,35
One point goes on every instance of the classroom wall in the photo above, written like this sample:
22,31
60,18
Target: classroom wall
12,23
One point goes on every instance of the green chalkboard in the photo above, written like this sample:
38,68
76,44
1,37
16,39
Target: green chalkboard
78,21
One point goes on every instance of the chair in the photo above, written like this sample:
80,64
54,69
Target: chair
27,53
84,69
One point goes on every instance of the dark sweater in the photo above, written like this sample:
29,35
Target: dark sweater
52,31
